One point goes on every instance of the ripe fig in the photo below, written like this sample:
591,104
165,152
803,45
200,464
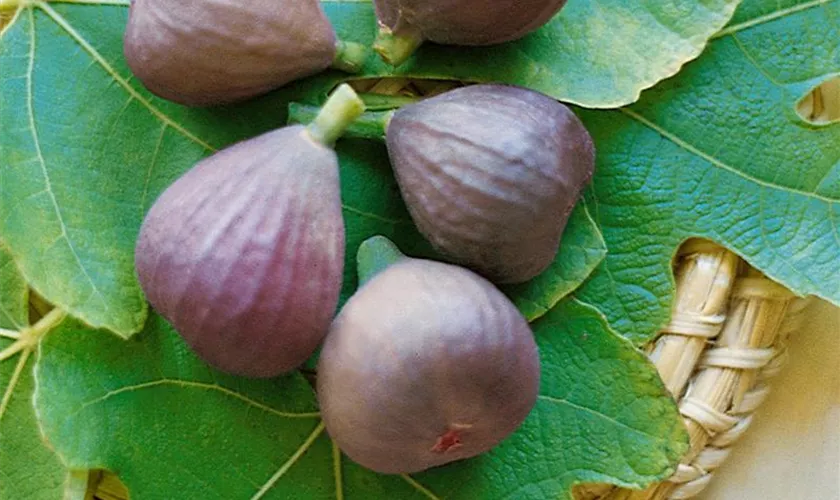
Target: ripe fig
405,24
490,175
244,253
210,52
426,364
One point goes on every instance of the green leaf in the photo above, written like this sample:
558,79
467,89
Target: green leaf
596,53
93,150
14,295
719,152
171,427
30,469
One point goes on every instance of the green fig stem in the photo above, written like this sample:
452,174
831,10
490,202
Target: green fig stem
349,56
340,110
395,47
368,125
374,256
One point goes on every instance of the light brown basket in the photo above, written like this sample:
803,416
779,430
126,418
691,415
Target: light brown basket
727,337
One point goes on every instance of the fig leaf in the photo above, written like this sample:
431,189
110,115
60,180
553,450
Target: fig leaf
719,152
30,468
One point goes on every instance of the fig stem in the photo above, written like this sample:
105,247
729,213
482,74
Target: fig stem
349,56
340,110
369,125
395,47
374,256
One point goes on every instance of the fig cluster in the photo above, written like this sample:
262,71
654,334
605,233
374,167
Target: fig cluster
214,52
428,362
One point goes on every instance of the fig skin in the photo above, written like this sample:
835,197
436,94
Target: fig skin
211,52
490,174
463,22
426,364
244,254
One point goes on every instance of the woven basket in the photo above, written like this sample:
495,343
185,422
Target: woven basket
726,338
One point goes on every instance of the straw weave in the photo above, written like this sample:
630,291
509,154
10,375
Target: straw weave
727,337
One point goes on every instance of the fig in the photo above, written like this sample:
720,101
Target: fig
244,254
427,363
405,24
211,52
490,174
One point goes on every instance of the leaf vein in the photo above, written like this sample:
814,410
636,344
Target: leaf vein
151,169
194,385
718,163
122,82
339,486
597,414
290,462
30,109
769,17
374,216
419,487
754,62
13,381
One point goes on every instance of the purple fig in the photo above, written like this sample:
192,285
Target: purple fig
490,175
405,24
210,52
427,363
244,253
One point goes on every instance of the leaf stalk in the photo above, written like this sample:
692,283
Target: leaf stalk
30,336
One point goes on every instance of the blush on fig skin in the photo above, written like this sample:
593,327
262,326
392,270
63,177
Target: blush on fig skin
426,364
490,175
